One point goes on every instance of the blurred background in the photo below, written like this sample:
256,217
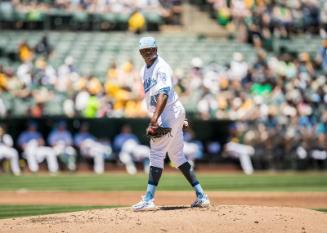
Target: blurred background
250,73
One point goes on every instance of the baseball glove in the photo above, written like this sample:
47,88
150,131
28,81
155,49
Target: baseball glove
157,132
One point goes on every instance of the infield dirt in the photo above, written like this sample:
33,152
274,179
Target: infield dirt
127,198
177,219
244,212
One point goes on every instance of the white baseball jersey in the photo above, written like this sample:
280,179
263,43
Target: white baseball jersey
157,79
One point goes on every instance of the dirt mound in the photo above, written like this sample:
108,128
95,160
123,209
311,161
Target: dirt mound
224,218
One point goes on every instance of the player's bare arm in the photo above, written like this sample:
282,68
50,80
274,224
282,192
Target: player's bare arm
162,101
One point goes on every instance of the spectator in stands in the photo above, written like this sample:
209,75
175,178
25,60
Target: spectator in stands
45,74
92,107
310,11
90,147
282,18
62,142
3,78
25,52
32,143
238,67
127,145
3,87
3,109
8,152
112,73
323,20
322,55
67,75
136,22
81,100
24,74
43,47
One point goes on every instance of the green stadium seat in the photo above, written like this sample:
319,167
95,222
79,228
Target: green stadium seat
7,12
34,16
80,20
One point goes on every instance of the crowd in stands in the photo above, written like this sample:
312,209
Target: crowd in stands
102,6
258,22
285,86
38,81
87,11
279,102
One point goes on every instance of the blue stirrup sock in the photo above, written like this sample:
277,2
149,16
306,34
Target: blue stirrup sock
150,190
189,174
154,177
198,190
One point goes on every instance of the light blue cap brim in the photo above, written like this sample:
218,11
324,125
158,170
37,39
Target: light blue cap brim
147,42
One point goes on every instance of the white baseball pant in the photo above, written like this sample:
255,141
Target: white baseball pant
35,154
243,153
191,150
7,152
132,151
97,151
173,143
67,154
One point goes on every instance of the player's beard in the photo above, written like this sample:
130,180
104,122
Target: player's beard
149,60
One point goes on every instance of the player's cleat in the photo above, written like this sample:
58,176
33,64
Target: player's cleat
201,202
144,205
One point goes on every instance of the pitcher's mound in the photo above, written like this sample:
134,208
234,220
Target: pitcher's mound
225,218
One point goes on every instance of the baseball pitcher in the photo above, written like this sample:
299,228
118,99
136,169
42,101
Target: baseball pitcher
166,125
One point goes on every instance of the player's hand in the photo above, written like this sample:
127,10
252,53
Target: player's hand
153,126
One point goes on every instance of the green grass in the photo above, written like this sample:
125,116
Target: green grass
9,211
289,182
321,210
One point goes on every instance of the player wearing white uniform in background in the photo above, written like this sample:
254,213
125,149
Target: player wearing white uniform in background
129,149
61,141
91,147
35,152
193,149
166,111
8,152
239,150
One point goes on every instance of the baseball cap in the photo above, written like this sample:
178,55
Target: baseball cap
147,42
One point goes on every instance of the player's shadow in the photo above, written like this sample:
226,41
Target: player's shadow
174,207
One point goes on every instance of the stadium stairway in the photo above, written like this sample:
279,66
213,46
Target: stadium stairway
197,22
